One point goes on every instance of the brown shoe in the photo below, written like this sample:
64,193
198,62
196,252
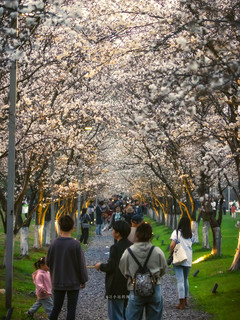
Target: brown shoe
181,305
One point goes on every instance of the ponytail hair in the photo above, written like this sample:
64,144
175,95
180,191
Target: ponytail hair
39,263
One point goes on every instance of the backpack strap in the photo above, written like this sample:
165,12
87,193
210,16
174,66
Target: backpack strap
149,254
134,258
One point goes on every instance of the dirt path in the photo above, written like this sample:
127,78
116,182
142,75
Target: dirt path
92,304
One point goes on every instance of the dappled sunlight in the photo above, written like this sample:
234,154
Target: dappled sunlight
203,258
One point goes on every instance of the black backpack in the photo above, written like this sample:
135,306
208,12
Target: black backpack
143,282
85,218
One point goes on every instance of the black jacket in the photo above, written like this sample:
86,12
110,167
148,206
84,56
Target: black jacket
115,282
99,215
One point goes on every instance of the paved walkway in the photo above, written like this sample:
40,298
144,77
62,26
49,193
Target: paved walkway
92,304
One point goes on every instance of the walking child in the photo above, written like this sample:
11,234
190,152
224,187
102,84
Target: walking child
42,280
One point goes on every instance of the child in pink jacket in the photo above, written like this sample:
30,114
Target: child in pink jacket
42,281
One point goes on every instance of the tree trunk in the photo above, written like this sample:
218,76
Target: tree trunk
162,216
236,261
195,231
150,212
155,216
24,241
37,237
217,241
166,219
47,233
38,228
205,235
176,218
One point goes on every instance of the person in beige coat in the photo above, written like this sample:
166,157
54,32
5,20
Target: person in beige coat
157,264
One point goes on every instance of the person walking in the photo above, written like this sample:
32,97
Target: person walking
42,281
156,264
129,213
116,284
183,234
68,271
90,211
116,216
99,218
233,210
85,225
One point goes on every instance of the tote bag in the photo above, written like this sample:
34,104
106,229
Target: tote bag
179,254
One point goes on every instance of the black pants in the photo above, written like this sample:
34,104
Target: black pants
84,235
72,298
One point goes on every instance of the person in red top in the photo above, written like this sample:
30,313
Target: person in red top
42,280
233,210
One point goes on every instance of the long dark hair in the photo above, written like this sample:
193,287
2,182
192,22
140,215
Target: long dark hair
184,226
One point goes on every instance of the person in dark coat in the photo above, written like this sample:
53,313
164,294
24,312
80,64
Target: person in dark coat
68,271
99,218
115,282
85,225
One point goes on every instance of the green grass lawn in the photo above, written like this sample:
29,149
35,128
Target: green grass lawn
225,303
22,277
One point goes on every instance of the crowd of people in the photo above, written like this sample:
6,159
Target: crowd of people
64,269
106,213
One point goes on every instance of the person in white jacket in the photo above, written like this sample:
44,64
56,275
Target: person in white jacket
156,264
183,234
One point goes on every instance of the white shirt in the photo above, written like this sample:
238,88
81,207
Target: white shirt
187,246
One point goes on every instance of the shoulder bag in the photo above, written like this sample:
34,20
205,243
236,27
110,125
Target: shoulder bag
179,254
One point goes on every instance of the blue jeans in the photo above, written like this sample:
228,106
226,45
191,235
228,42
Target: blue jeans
98,229
182,273
116,309
153,306
72,298
47,304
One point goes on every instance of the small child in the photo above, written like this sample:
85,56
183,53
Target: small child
42,281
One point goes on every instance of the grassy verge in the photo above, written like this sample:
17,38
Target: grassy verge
225,303
23,268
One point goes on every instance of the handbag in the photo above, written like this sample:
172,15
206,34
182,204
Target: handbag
179,254
143,281
170,259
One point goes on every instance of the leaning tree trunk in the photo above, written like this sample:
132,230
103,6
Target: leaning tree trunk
236,261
